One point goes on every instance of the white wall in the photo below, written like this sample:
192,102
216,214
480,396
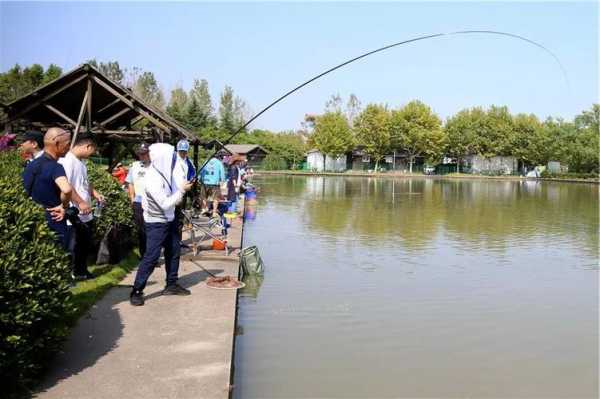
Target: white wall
481,164
314,160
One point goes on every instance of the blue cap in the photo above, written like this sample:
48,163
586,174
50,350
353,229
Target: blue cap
183,145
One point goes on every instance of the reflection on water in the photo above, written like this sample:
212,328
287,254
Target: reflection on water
421,288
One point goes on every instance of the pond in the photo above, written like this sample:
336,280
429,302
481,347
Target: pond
385,288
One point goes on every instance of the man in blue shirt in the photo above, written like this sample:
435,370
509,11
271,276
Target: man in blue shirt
212,175
46,183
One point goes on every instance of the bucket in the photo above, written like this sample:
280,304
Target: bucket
232,207
218,245
250,195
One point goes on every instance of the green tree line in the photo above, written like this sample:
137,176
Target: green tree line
193,109
412,129
416,131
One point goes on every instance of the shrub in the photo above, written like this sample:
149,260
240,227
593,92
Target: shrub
274,162
34,282
118,207
571,175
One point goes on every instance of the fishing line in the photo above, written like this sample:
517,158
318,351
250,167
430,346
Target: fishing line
416,39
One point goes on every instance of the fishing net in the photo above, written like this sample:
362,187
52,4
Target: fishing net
224,283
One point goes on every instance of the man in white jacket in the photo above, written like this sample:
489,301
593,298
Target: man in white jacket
158,201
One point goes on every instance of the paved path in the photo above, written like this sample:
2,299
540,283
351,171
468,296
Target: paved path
173,347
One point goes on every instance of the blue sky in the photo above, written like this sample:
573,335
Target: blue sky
264,49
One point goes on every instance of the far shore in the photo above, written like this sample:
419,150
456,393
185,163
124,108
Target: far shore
400,175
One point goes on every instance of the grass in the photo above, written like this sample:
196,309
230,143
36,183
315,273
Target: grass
87,293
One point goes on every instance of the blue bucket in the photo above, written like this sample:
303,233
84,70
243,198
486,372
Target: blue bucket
250,195
232,207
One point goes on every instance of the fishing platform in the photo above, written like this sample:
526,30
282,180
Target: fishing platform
173,347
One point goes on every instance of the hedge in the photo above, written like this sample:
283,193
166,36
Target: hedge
36,304
118,207
571,175
34,282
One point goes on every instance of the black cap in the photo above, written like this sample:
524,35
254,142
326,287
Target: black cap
142,149
33,135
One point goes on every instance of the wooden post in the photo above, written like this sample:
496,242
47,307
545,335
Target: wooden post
111,156
79,118
196,164
89,104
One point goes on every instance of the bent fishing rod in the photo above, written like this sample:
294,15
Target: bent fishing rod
416,39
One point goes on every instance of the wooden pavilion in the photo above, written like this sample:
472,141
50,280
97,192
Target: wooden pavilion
86,100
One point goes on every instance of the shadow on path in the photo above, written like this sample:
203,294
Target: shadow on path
97,332
95,335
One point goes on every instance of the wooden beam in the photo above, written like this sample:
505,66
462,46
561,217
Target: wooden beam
46,98
131,104
109,105
79,118
115,116
89,102
121,132
57,112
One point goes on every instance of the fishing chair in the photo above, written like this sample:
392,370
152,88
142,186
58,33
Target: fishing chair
203,228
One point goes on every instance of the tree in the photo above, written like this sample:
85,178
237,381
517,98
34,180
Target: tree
241,113
199,109
417,131
352,109
462,132
495,136
527,134
111,69
584,148
558,135
177,105
332,135
146,87
52,72
589,119
226,110
372,128
334,104
17,82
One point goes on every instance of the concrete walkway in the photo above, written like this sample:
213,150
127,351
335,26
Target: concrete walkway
173,347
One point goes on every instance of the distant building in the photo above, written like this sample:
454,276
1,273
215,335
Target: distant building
498,165
556,167
253,153
315,161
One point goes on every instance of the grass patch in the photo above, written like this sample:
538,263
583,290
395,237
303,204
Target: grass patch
87,293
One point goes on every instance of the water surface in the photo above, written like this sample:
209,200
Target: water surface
380,288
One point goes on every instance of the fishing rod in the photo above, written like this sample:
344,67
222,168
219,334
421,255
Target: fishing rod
416,39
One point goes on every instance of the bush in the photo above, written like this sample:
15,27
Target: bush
118,207
550,175
34,282
274,162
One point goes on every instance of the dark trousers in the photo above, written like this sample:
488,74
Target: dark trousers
138,217
62,231
179,214
83,244
159,235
